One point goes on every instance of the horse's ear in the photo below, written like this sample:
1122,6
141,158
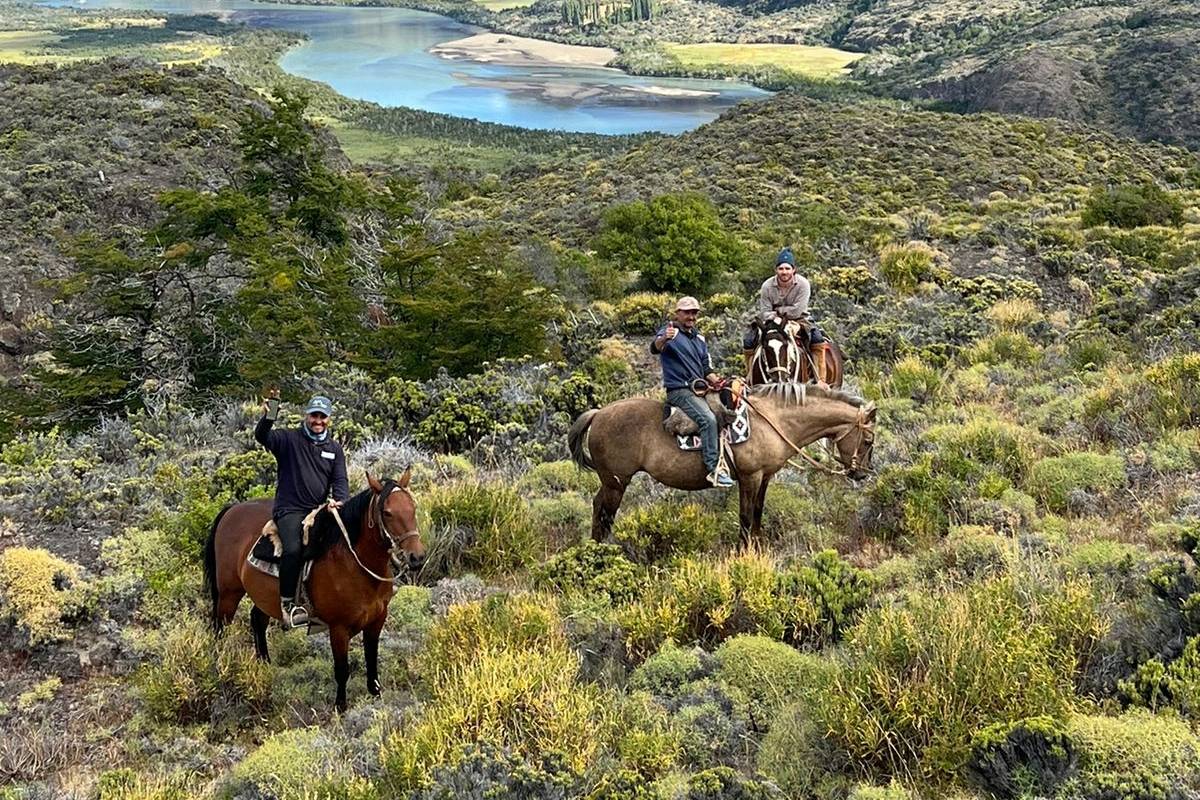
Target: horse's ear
374,483
405,478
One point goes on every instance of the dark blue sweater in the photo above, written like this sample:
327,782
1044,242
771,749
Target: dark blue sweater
308,470
684,358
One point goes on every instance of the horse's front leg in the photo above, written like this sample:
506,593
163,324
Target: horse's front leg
371,654
748,504
339,640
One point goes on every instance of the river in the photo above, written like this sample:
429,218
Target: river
382,55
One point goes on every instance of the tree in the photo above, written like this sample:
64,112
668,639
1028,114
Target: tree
677,241
457,306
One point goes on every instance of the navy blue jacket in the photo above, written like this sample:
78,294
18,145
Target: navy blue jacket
308,470
684,358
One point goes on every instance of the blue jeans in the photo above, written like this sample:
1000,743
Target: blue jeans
697,408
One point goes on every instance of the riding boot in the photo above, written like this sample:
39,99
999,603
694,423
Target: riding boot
818,355
749,356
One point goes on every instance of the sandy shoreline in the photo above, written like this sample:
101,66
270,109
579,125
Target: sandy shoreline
518,51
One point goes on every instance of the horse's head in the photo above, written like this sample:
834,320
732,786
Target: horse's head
396,518
779,357
856,444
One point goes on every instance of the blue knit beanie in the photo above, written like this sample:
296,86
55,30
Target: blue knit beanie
785,257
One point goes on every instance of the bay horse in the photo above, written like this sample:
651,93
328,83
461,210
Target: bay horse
627,437
343,592
779,358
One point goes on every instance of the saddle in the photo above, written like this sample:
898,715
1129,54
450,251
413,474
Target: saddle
735,420
265,555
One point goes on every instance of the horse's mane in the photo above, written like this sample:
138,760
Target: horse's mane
325,532
795,393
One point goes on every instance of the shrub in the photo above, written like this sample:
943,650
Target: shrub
795,756
37,591
497,622
969,554
482,526
983,445
1054,480
921,679
561,520
41,692
1176,452
770,674
298,763
665,673
642,313
1133,757
125,784
652,532
903,266
551,478
912,378
1131,207
723,783
893,791
454,424
1003,347
485,771
1175,685
1014,315
854,283
191,672
1030,757
526,701
677,241
1176,381
593,569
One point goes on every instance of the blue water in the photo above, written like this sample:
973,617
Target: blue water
382,55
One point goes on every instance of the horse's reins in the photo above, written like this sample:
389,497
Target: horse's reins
859,424
376,511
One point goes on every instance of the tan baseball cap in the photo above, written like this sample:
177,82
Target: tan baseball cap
687,304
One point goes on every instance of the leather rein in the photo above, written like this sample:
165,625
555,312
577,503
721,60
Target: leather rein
860,424
375,519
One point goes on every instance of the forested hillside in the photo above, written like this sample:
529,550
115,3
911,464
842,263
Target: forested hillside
1006,608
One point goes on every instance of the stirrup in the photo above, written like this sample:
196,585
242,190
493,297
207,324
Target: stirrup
294,615
720,480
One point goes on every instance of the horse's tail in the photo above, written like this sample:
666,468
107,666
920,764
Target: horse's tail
577,439
210,569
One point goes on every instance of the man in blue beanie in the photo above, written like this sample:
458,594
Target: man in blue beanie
311,467
784,298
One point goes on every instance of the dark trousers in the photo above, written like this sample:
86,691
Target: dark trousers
290,534
750,339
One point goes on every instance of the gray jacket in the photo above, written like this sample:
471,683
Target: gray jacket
792,304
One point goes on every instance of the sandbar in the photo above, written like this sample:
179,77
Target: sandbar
519,51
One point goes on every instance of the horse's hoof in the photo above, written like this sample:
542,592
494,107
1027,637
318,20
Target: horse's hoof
374,688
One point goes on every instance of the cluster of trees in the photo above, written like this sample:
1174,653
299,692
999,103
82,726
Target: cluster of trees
290,265
595,12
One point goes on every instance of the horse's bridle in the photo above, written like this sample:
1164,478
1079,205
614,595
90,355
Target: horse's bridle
860,424
375,517
792,373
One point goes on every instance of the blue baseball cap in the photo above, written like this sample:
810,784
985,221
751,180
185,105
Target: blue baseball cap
319,404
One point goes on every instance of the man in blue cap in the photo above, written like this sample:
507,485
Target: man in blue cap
687,364
311,467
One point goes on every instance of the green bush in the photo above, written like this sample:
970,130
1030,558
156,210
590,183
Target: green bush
297,764
1176,452
38,592
676,241
551,478
499,622
770,674
191,673
1003,347
642,313
983,445
922,678
893,791
795,755
1030,757
653,532
665,673
1131,207
479,526
1136,756
593,569
1053,480
903,266
912,378
967,555
724,783
1176,381
561,520
125,784
1174,685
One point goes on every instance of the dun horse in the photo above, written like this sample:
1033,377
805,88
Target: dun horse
627,437
778,359
350,585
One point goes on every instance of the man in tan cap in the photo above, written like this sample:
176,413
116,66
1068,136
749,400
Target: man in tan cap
685,363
